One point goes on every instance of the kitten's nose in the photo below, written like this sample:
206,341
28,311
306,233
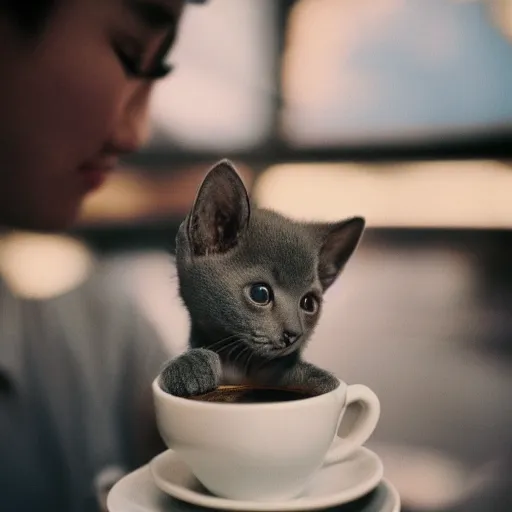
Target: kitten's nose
290,337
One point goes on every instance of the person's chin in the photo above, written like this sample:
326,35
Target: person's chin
47,220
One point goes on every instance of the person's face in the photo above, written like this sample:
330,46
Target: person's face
69,108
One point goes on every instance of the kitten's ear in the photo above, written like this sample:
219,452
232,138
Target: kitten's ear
220,213
339,243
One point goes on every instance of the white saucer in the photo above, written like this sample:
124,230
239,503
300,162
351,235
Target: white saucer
137,492
333,485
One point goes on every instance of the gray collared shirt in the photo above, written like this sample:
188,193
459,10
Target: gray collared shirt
75,374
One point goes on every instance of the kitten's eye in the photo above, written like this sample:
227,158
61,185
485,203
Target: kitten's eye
261,294
309,304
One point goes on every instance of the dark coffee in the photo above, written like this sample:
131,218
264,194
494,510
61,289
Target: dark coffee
253,395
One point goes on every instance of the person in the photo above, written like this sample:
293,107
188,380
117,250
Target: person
75,371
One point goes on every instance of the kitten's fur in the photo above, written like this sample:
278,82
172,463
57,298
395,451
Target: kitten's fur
223,247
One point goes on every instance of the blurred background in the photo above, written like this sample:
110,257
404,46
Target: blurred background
398,110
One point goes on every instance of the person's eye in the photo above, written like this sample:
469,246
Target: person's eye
130,63
132,66
159,70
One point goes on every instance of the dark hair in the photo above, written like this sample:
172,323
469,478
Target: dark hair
29,15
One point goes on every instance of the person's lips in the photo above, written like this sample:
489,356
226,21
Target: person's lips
94,173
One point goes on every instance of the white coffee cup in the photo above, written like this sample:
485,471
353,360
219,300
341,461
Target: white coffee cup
264,451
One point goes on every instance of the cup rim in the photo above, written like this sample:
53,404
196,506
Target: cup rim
187,402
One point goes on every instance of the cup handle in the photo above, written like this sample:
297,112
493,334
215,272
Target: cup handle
363,427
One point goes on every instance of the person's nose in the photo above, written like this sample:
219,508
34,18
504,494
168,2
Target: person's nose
130,130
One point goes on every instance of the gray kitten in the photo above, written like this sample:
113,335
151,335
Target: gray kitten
252,281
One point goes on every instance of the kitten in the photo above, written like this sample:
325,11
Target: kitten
252,281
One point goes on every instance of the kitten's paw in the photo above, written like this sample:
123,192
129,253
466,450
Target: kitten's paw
309,376
195,372
321,381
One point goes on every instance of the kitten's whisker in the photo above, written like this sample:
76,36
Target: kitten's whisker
232,344
220,342
231,351
267,359
261,362
247,363
239,355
